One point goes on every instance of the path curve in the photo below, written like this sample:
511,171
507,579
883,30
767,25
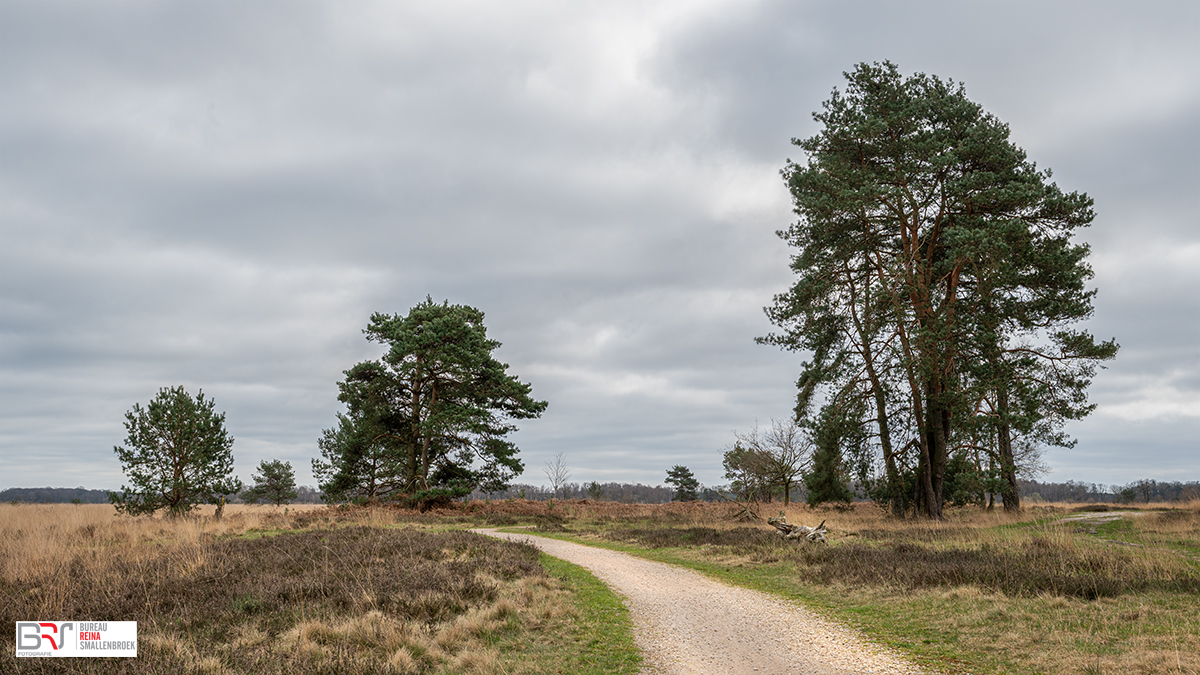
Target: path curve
688,624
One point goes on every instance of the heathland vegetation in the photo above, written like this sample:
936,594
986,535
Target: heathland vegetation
1086,589
309,590
1144,490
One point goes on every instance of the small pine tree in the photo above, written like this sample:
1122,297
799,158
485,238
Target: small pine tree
686,486
963,483
177,455
275,482
827,480
595,491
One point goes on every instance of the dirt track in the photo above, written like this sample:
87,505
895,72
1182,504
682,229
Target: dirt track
686,623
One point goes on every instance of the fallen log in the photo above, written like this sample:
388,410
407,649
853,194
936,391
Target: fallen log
790,531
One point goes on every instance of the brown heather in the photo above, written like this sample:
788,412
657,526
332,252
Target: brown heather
268,591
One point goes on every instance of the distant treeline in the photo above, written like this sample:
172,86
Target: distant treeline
50,495
305,494
1145,490
625,493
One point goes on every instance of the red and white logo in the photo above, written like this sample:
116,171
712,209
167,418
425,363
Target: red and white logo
76,638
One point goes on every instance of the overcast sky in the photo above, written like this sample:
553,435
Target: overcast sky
219,194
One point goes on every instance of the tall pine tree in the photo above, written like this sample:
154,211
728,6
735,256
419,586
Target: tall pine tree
937,281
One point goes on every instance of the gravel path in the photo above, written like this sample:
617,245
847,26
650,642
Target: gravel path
686,623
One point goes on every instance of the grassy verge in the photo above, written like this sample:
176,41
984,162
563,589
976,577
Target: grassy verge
600,641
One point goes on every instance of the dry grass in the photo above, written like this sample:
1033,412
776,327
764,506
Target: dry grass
268,591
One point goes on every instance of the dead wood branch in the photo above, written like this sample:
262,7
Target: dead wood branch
745,511
790,531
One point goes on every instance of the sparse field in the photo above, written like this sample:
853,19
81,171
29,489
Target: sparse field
381,590
304,591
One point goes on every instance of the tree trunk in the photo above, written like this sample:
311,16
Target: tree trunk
936,430
1008,467
412,467
885,433
790,531
881,417
925,497
889,455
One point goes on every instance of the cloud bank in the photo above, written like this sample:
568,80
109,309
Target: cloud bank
219,194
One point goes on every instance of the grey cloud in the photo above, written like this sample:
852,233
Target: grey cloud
219,195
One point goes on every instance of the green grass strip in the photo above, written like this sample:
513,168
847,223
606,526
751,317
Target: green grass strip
604,632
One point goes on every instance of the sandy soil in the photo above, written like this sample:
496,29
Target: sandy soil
686,623
1097,517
